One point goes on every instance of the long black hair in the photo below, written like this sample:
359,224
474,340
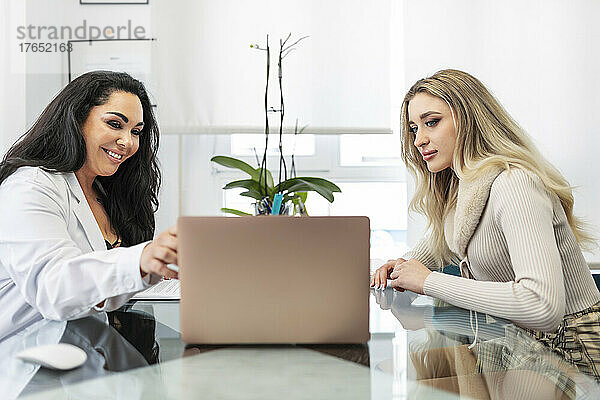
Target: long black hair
55,143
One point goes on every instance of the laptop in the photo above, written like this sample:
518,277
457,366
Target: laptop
274,279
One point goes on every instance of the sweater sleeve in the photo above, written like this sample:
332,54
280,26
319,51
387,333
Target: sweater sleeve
422,252
523,211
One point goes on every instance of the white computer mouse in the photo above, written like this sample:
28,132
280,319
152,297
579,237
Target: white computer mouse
61,356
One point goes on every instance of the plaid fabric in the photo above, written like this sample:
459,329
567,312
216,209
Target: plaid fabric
577,341
517,351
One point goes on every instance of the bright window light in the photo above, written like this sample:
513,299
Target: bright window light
246,144
370,150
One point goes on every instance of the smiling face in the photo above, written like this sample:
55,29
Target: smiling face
111,132
432,126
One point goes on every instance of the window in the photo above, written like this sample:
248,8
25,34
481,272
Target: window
254,145
370,150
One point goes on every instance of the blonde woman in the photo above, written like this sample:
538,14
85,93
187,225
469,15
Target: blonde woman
502,212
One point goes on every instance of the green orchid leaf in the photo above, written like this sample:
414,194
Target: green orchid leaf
326,193
236,212
299,187
283,186
294,189
305,186
252,193
234,163
249,184
322,182
332,187
256,177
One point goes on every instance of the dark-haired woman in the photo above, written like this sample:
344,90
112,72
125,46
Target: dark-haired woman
78,192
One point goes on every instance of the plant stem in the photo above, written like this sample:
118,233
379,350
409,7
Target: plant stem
263,165
293,167
256,155
282,164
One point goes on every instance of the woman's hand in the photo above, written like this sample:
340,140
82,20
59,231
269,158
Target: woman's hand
379,279
410,275
160,252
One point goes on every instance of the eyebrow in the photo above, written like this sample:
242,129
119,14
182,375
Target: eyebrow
124,118
426,114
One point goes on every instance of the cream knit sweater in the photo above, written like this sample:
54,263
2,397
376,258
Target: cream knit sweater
520,257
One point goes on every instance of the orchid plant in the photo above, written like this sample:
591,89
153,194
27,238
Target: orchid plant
289,195
294,190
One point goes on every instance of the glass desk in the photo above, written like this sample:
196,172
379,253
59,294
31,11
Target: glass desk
418,349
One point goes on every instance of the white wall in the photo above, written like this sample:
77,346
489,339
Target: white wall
47,72
337,79
12,79
540,59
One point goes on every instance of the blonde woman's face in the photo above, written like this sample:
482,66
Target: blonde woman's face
431,124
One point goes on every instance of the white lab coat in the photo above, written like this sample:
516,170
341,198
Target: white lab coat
53,258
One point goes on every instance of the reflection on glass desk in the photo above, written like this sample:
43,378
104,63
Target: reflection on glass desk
418,349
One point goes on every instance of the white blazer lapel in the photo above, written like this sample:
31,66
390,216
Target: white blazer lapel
84,214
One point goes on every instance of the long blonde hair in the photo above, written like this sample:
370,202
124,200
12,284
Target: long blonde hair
487,138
